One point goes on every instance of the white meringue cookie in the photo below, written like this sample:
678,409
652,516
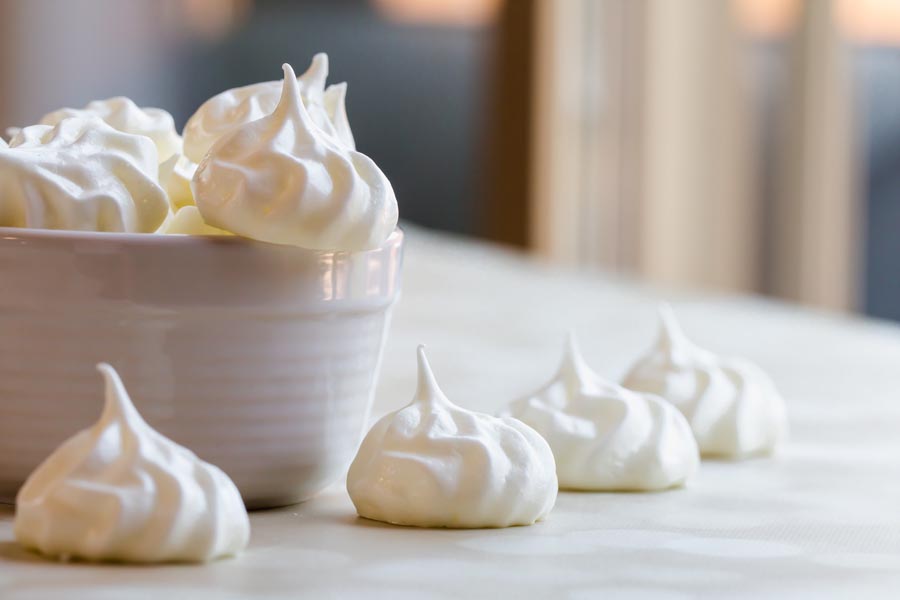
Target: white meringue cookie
120,491
175,176
434,464
733,407
279,179
233,108
334,101
81,174
123,114
607,438
187,220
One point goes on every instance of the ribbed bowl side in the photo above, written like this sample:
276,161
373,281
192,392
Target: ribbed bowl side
278,402
260,358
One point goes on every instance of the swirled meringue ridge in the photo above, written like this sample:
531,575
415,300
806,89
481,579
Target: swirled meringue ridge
120,491
605,437
233,108
123,114
279,179
435,464
81,174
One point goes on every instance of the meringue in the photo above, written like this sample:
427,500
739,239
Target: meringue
80,174
175,176
607,438
123,114
434,464
280,179
187,220
233,108
120,491
733,407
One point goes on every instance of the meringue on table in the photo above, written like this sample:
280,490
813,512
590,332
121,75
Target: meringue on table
435,464
607,438
733,407
120,491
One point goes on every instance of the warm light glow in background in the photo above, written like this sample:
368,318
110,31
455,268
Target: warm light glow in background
215,19
444,12
865,21
870,21
861,21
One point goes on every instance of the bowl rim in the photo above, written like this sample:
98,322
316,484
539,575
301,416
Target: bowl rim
18,235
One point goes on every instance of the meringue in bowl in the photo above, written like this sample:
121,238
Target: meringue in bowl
260,358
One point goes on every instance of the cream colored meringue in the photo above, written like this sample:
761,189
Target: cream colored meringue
434,464
605,437
733,407
123,114
187,220
120,491
280,179
175,176
233,108
81,174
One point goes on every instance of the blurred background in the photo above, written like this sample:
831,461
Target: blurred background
747,145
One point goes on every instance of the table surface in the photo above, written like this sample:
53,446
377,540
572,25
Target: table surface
820,520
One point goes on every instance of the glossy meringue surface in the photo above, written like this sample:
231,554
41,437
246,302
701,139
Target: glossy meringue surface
175,175
81,174
123,114
733,406
233,108
120,491
605,437
435,464
280,179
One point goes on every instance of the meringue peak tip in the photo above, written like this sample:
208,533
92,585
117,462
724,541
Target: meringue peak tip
572,360
288,71
571,343
117,402
336,91
424,367
106,370
671,335
427,384
317,73
290,101
319,61
667,320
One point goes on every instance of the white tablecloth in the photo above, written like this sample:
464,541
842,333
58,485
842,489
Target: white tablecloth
820,520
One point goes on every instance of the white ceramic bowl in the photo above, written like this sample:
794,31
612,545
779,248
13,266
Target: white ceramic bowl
260,358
